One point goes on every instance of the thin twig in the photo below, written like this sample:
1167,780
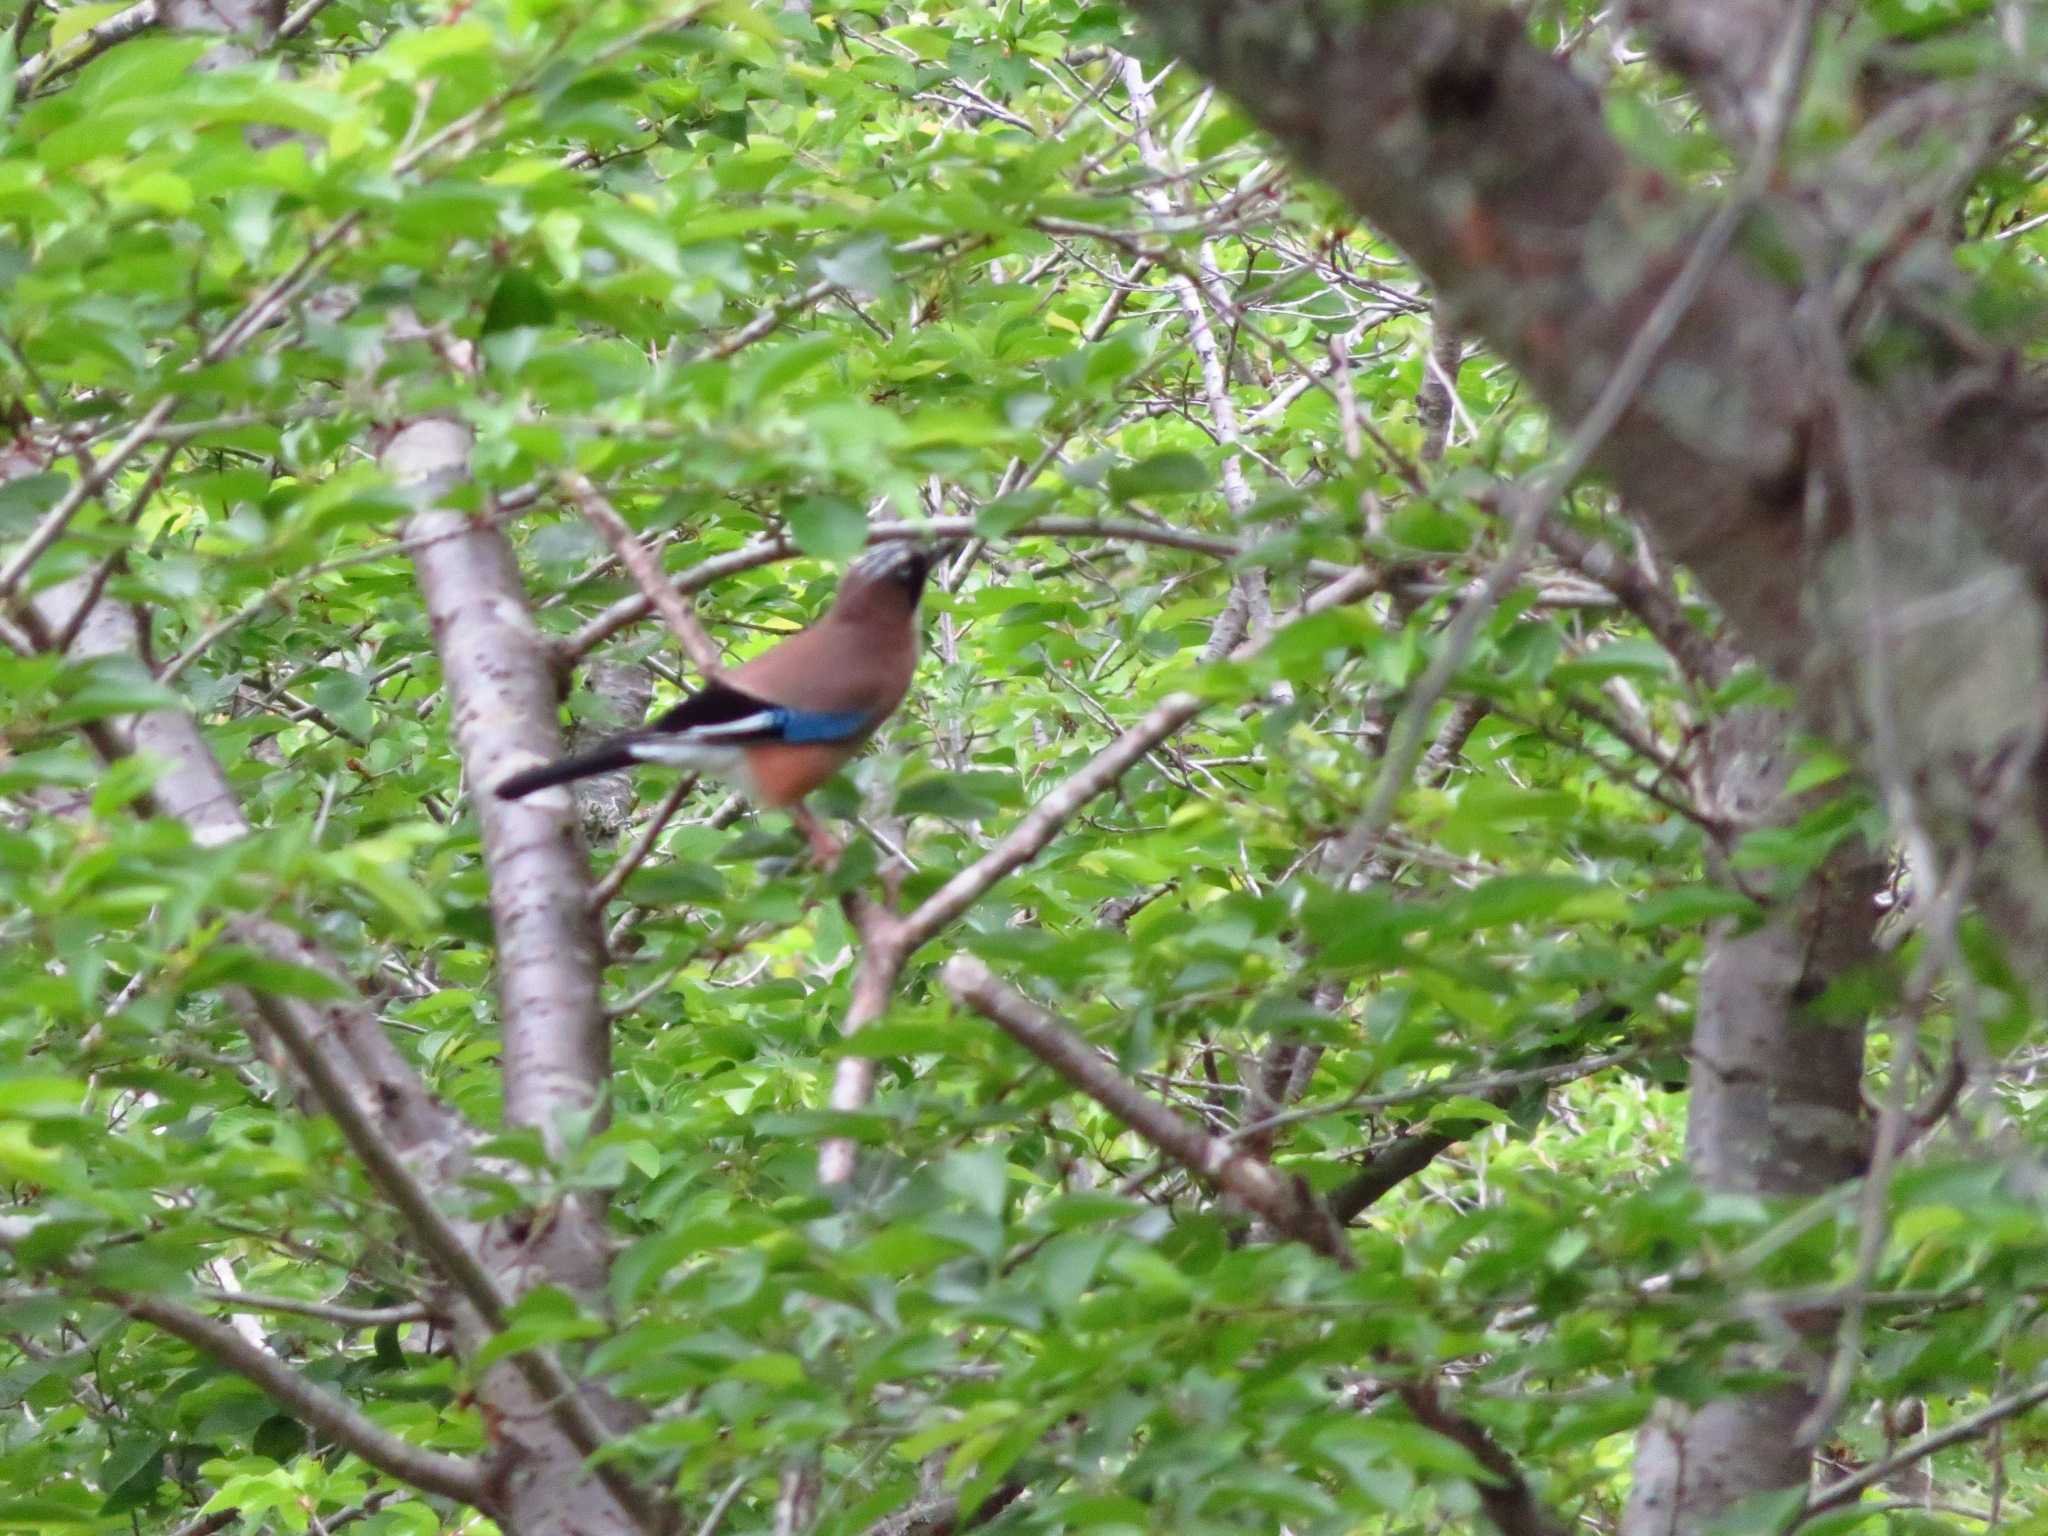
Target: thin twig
1045,819
1449,1088
715,1516
35,72
767,551
300,19
615,878
1287,1205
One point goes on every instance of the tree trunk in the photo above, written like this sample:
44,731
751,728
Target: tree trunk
556,1043
1774,1110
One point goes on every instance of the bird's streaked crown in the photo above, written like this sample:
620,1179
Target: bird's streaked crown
898,560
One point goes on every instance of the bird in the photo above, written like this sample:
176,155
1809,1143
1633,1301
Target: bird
783,723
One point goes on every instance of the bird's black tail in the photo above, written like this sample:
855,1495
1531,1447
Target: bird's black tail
606,759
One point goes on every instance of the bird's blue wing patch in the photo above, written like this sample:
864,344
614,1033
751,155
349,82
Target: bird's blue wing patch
816,725
726,716
781,723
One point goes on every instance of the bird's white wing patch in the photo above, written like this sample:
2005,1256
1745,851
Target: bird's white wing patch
680,752
746,725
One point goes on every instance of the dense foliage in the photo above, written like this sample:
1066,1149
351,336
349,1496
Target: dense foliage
773,281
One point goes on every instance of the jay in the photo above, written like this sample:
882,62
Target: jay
782,724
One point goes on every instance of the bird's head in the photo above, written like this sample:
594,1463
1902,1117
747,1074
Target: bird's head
895,571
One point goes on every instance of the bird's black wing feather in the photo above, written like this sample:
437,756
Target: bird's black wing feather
713,704
717,704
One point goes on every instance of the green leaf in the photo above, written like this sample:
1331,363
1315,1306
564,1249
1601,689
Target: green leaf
1164,474
47,1513
545,1315
232,965
980,1176
517,301
34,1098
24,500
74,21
1462,1107
1685,906
1639,660
828,527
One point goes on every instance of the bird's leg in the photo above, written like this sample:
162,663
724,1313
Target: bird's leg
825,848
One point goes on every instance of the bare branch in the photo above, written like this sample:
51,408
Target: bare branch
192,788
1483,1086
883,949
1653,602
453,1255
1284,1203
1532,501
321,1311
450,1476
300,19
714,1517
1385,1170
615,878
40,69
940,1514
1968,1427
1043,822
772,318
647,573
630,610
557,1046
502,700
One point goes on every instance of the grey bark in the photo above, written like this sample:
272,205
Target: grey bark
1775,1109
623,690
502,699
557,1054
1436,399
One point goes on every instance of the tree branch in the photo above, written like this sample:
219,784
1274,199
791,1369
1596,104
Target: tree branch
884,946
450,1476
1286,1205
1531,502
1386,1171
1489,163
321,1311
40,69
502,701
615,878
364,1065
1698,655
646,571
557,1046
1042,823
1969,1427
551,1385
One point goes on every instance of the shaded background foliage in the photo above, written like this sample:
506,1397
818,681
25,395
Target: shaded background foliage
774,281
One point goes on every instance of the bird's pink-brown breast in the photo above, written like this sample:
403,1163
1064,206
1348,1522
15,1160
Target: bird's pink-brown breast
778,774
